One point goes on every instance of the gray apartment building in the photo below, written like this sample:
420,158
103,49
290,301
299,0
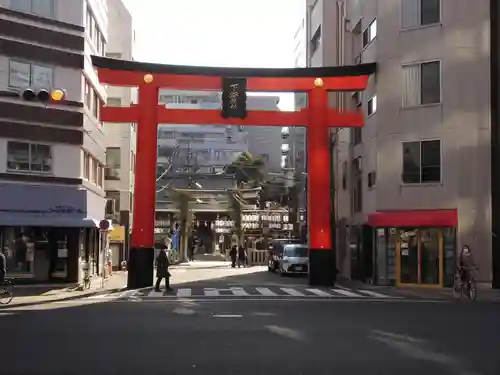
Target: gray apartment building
420,180
52,155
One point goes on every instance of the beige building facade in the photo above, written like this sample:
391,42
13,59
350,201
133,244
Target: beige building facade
415,184
120,138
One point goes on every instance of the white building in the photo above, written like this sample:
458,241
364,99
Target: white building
120,138
52,156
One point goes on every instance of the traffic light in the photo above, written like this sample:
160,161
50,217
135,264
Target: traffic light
234,98
39,95
43,95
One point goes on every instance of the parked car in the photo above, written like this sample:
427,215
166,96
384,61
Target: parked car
275,251
295,259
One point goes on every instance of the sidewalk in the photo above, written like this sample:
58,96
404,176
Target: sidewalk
202,264
483,294
25,295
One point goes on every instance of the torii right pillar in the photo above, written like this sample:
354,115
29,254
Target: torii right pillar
322,262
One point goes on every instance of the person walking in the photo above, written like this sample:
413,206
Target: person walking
162,264
233,254
241,256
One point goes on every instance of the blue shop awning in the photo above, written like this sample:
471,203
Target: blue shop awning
44,205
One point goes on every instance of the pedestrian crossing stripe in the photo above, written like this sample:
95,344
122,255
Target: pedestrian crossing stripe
266,292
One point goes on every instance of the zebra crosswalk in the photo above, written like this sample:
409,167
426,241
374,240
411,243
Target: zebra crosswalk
261,293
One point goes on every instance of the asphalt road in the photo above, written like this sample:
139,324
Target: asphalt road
251,337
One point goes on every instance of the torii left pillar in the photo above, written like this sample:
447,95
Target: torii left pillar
141,255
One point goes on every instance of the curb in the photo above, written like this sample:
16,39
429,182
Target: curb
69,298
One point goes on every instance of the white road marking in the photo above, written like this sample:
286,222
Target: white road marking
319,292
130,293
373,294
154,293
227,316
240,292
183,311
293,292
184,292
266,292
347,293
255,292
212,292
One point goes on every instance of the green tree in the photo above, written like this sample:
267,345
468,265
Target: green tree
246,168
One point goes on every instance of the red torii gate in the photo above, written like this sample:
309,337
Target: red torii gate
148,114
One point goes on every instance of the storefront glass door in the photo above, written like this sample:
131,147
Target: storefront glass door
420,257
408,257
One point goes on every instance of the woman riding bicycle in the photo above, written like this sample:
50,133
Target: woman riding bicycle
466,264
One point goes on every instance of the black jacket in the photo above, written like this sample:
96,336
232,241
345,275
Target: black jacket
162,265
3,266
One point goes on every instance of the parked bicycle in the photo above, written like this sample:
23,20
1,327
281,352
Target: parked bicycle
464,284
6,292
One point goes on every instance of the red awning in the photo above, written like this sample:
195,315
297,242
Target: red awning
415,218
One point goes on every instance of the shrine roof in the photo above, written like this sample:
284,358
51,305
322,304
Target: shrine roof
138,66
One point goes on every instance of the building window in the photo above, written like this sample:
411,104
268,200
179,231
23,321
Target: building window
285,160
356,136
95,170
421,162
88,94
44,8
100,176
113,163
94,32
370,33
24,74
372,179
114,197
86,166
422,84
29,157
372,105
96,103
114,102
417,13
316,40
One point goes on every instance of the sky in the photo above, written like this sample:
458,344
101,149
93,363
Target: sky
239,33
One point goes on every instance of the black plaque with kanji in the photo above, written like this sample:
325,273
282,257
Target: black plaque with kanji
234,98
